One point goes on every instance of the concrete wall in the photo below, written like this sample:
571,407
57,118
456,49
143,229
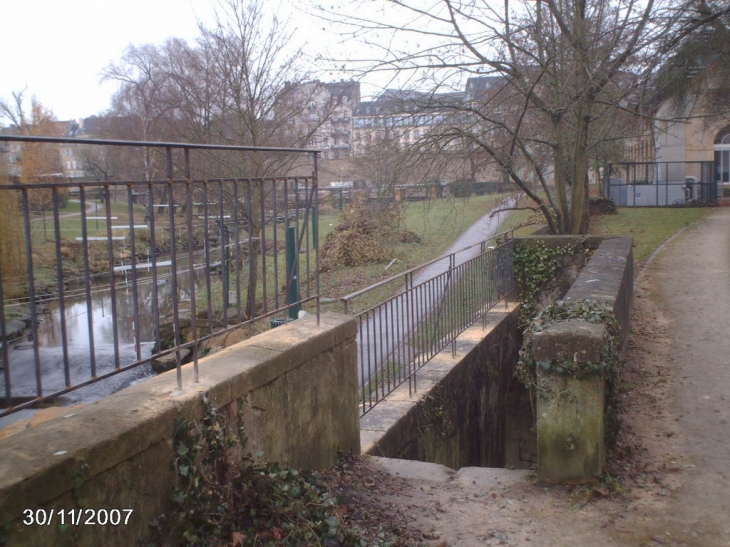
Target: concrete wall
298,388
457,415
608,279
571,409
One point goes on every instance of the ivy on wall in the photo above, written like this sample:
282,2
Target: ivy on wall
536,267
609,365
585,310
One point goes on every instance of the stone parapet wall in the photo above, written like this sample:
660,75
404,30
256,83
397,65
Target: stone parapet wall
571,409
295,388
608,279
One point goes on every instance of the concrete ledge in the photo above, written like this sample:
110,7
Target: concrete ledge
574,339
117,452
608,279
478,479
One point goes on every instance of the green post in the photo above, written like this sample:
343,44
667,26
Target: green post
341,199
292,272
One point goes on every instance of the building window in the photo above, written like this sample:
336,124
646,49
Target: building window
722,156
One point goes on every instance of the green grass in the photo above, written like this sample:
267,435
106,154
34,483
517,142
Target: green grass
650,227
437,222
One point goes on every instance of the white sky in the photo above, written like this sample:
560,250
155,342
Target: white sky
57,49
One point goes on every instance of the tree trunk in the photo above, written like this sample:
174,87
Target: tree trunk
579,197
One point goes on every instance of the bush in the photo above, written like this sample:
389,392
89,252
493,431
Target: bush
364,236
602,206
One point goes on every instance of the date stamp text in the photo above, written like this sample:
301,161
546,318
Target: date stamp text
77,517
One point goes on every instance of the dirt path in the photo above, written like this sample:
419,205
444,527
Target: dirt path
671,485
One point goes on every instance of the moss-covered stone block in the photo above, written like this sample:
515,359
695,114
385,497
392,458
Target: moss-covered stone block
570,428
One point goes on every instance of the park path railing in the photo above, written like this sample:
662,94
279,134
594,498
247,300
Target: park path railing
433,304
151,256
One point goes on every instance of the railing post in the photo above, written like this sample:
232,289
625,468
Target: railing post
292,273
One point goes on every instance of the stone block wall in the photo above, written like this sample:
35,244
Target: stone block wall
295,387
570,410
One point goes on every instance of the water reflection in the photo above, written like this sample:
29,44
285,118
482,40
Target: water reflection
104,319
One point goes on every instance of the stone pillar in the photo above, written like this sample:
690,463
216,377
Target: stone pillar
570,408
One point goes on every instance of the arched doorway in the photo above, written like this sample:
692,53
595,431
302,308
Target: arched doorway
722,156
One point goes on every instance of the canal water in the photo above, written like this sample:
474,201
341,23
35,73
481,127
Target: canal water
91,323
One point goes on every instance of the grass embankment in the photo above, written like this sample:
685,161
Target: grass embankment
436,222
650,227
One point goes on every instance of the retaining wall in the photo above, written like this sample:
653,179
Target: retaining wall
456,416
294,386
571,410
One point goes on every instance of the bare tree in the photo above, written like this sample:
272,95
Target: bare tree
36,162
25,163
561,66
698,68
241,83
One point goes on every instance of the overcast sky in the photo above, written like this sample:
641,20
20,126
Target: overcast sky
57,49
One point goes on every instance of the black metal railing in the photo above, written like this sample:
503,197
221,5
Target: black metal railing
151,258
661,184
433,304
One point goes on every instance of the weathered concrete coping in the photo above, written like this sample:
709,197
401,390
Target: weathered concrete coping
573,339
43,463
608,279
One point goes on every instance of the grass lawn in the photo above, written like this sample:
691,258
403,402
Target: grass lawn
437,222
650,227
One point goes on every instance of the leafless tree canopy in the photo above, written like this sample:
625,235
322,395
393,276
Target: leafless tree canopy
567,78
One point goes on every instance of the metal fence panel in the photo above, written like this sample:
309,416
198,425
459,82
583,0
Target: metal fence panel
102,275
399,336
661,184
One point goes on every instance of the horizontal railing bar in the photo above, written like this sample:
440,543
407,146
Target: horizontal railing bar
155,144
156,182
393,278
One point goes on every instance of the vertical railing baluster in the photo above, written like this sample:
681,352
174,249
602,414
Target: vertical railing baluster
191,264
177,335
61,289
87,282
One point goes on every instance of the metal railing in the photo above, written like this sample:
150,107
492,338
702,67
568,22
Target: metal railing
662,184
436,302
155,263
